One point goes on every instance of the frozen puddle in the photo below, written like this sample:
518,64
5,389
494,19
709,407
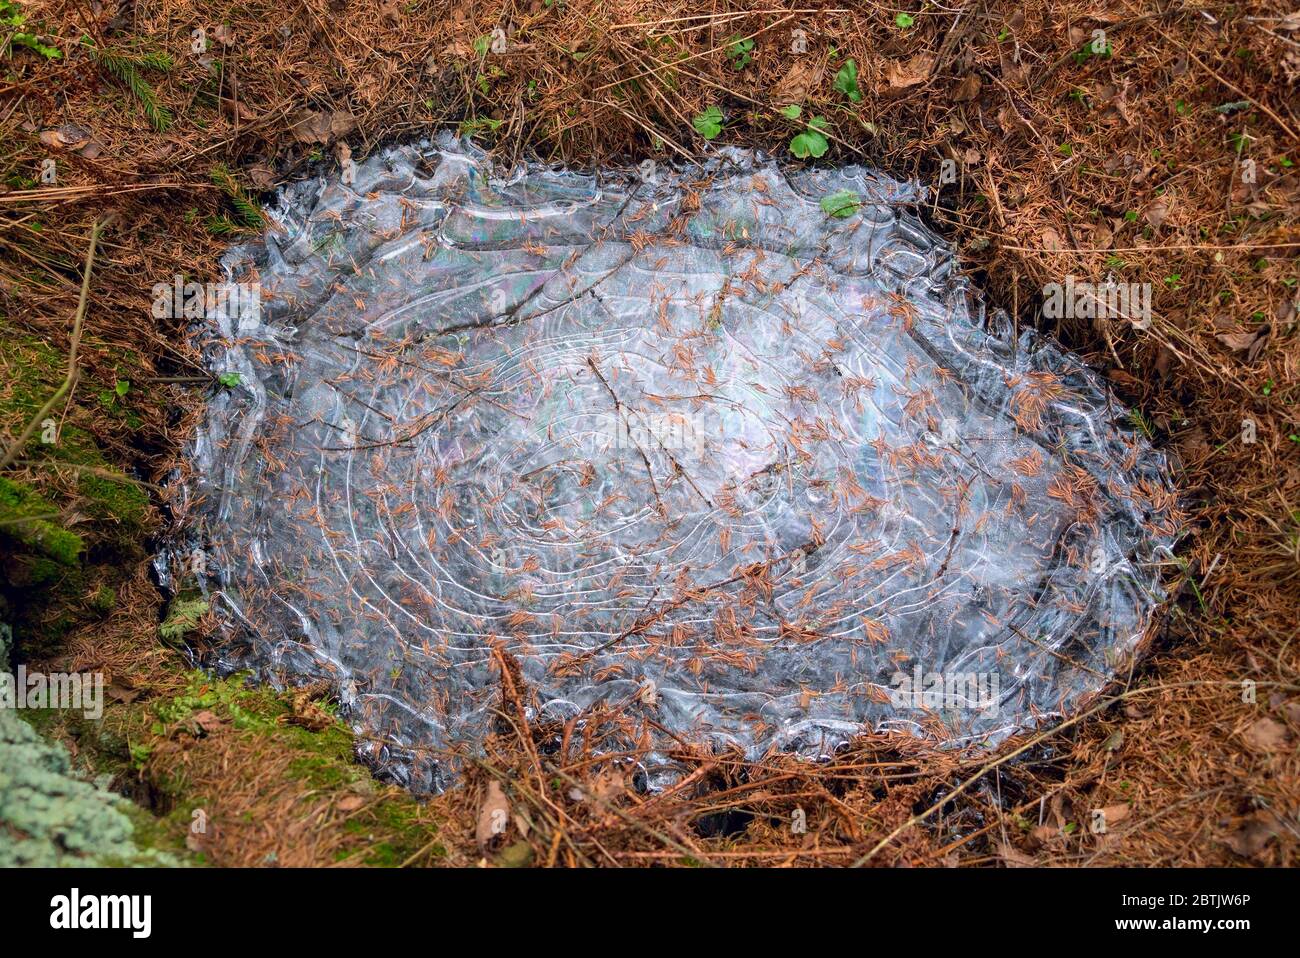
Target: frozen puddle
678,441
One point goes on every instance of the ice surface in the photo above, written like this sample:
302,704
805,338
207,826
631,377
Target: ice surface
677,440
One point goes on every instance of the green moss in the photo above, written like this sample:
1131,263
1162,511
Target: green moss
104,599
164,834
117,499
389,829
182,616
35,371
387,833
25,516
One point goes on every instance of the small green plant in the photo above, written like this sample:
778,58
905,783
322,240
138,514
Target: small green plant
12,16
125,67
1141,423
811,142
182,617
791,112
709,123
738,51
1093,48
248,215
478,127
110,398
103,600
140,755
222,226
842,204
846,81
903,20
229,380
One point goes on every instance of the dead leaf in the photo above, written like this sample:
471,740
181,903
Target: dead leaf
350,803
1164,362
319,126
261,176
1014,857
1240,342
493,816
1043,834
206,721
1266,735
1114,814
122,692
1156,213
794,87
1128,381
1051,240
1255,832
69,136
967,89
307,713
914,71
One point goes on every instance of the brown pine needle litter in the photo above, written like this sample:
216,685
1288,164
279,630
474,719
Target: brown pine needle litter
1165,153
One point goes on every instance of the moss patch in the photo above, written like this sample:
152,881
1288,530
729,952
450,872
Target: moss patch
28,518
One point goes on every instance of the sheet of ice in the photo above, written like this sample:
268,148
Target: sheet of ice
684,443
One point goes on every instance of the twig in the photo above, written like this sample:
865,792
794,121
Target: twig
12,452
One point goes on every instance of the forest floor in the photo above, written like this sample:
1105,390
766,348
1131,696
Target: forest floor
1153,141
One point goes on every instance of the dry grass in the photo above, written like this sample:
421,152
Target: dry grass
1066,165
